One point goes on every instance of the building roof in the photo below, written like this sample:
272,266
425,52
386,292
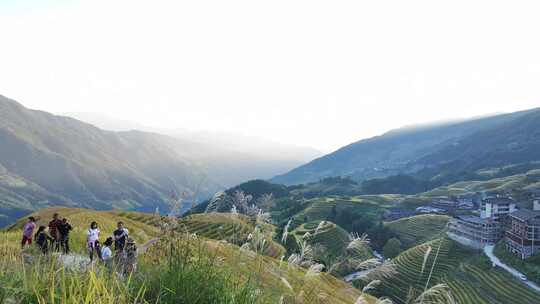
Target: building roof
499,200
473,219
525,215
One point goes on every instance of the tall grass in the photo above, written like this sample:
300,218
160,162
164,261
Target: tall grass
44,280
177,269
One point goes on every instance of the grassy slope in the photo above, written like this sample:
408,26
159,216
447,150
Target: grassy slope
268,272
468,273
418,229
265,271
80,219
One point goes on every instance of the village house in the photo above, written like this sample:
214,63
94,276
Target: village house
523,233
486,229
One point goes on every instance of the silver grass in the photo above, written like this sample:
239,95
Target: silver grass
361,300
357,242
372,285
426,255
438,294
386,270
286,283
286,232
314,270
294,259
368,264
320,226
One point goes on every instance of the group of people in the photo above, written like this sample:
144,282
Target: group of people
57,239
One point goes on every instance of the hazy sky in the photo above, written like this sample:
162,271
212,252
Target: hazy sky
316,73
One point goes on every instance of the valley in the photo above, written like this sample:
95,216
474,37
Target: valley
384,220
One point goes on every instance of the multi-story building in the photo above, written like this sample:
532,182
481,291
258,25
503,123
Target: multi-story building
486,229
522,233
497,207
474,231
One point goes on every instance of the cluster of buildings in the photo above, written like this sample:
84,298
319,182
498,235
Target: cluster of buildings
500,219
444,206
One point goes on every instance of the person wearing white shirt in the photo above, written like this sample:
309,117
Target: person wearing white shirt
106,253
92,239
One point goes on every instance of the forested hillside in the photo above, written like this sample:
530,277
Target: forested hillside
446,151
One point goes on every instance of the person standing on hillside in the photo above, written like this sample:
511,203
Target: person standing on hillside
28,231
54,232
106,253
92,239
43,239
120,236
64,230
130,260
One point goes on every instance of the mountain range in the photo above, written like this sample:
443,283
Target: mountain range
48,159
431,151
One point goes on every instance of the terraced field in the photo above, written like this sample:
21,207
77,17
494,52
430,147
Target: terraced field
525,181
232,228
418,229
332,237
322,209
468,274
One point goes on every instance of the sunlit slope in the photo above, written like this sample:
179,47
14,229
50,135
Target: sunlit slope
272,275
523,182
80,219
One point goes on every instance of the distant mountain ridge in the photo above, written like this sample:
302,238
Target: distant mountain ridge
264,149
49,160
429,150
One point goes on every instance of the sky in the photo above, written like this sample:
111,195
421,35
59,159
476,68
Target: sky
311,73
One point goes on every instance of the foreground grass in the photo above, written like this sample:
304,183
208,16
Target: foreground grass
179,268
181,275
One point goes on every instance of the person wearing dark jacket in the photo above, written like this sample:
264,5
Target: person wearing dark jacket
54,232
43,239
121,235
64,228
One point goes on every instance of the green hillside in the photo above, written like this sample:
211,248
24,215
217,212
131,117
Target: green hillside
177,267
462,145
80,219
234,229
418,229
49,160
332,208
468,273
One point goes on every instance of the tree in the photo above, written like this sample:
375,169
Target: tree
392,248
